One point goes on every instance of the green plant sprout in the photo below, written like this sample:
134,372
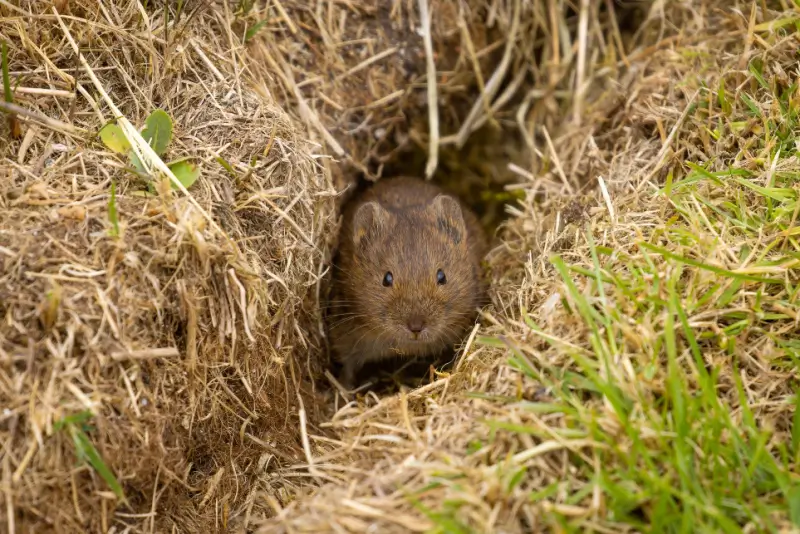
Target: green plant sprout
158,133
76,426
6,81
113,215
13,121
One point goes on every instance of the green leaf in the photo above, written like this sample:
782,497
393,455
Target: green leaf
751,105
74,419
796,425
756,68
772,25
253,30
227,166
186,172
112,211
114,138
158,131
137,163
6,80
516,479
86,450
724,103
712,268
794,505
142,193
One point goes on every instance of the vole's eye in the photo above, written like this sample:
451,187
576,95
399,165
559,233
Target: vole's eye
441,279
388,279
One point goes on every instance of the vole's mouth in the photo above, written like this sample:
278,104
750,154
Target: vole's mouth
413,344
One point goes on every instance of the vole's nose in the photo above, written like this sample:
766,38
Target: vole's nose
416,323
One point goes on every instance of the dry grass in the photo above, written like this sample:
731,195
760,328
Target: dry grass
358,74
638,368
175,334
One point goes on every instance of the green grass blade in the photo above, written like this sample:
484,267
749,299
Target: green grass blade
794,504
86,450
796,426
254,29
714,269
78,418
6,78
113,216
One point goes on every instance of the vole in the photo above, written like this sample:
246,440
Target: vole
407,278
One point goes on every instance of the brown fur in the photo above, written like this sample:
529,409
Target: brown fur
412,229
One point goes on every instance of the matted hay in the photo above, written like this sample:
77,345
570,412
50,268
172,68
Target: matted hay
184,337
492,447
357,72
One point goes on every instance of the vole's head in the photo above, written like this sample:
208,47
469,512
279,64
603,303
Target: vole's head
412,277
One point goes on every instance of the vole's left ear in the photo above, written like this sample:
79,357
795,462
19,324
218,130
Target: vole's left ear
449,218
368,220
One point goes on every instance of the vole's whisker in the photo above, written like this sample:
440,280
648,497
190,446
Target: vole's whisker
355,314
374,328
343,321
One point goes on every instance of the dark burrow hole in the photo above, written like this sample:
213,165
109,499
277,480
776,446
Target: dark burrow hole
476,173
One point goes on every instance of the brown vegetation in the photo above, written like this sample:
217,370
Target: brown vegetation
635,367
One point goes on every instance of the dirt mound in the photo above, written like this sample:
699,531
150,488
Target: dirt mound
144,339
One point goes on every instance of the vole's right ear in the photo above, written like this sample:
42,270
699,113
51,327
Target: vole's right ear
449,217
369,217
